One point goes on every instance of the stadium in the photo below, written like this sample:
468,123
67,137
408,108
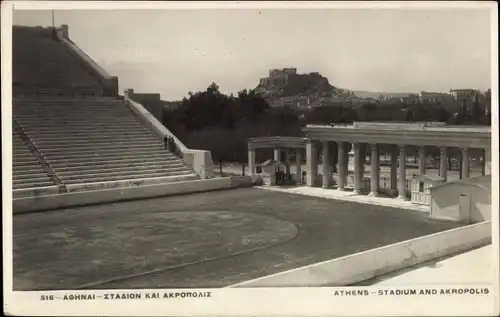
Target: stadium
101,201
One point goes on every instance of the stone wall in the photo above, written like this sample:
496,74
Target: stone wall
358,267
199,160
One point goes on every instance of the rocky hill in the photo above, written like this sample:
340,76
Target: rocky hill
312,84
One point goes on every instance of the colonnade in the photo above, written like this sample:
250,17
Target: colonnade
397,164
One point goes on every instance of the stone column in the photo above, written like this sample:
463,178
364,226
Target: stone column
251,162
465,163
357,167
483,163
443,162
298,162
487,160
342,164
375,175
325,166
394,170
312,163
402,173
421,160
287,161
362,152
277,154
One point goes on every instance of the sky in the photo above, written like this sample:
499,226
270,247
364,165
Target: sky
173,52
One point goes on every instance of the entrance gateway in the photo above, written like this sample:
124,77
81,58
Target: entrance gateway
335,141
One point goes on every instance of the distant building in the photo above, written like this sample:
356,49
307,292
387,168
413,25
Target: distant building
411,99
434,97
464,94
151,101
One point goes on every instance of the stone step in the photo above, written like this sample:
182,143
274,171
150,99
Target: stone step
22,153
108,157
48,112
29,185
68,121
98,102
82,127
130,183
24,160
116,162
125,166
111,130
47,136
107,172
39,175
27,169
96,141
90,147
81,104
115,151
38,170
103,116
97,137
108,178
33,180
33,192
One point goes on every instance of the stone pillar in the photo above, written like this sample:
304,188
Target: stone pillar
325,166
421,160
342,165
362,152
402,173
312,163
443,162
277,154
487,160
251,162
357,167
465,163
298,162
394,170
483,162
287,161
375,175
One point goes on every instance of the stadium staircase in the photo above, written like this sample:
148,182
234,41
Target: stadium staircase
67,136
97,144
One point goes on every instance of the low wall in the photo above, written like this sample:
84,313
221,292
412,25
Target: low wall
109,82
200,161
365,265
23,205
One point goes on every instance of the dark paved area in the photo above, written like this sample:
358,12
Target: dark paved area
202,240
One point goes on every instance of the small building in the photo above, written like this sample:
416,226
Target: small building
421,188
466,200
270,169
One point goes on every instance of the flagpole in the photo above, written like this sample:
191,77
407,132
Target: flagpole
53,20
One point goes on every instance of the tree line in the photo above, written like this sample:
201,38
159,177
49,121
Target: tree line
211,120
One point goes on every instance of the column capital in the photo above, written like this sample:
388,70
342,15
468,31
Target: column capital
401,147
442,149
464,149
373,146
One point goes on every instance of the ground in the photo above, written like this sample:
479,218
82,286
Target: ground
212,239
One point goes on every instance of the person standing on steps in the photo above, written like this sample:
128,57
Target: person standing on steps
172,144
166,142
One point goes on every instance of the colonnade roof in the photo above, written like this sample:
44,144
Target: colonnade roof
418,133
277,142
